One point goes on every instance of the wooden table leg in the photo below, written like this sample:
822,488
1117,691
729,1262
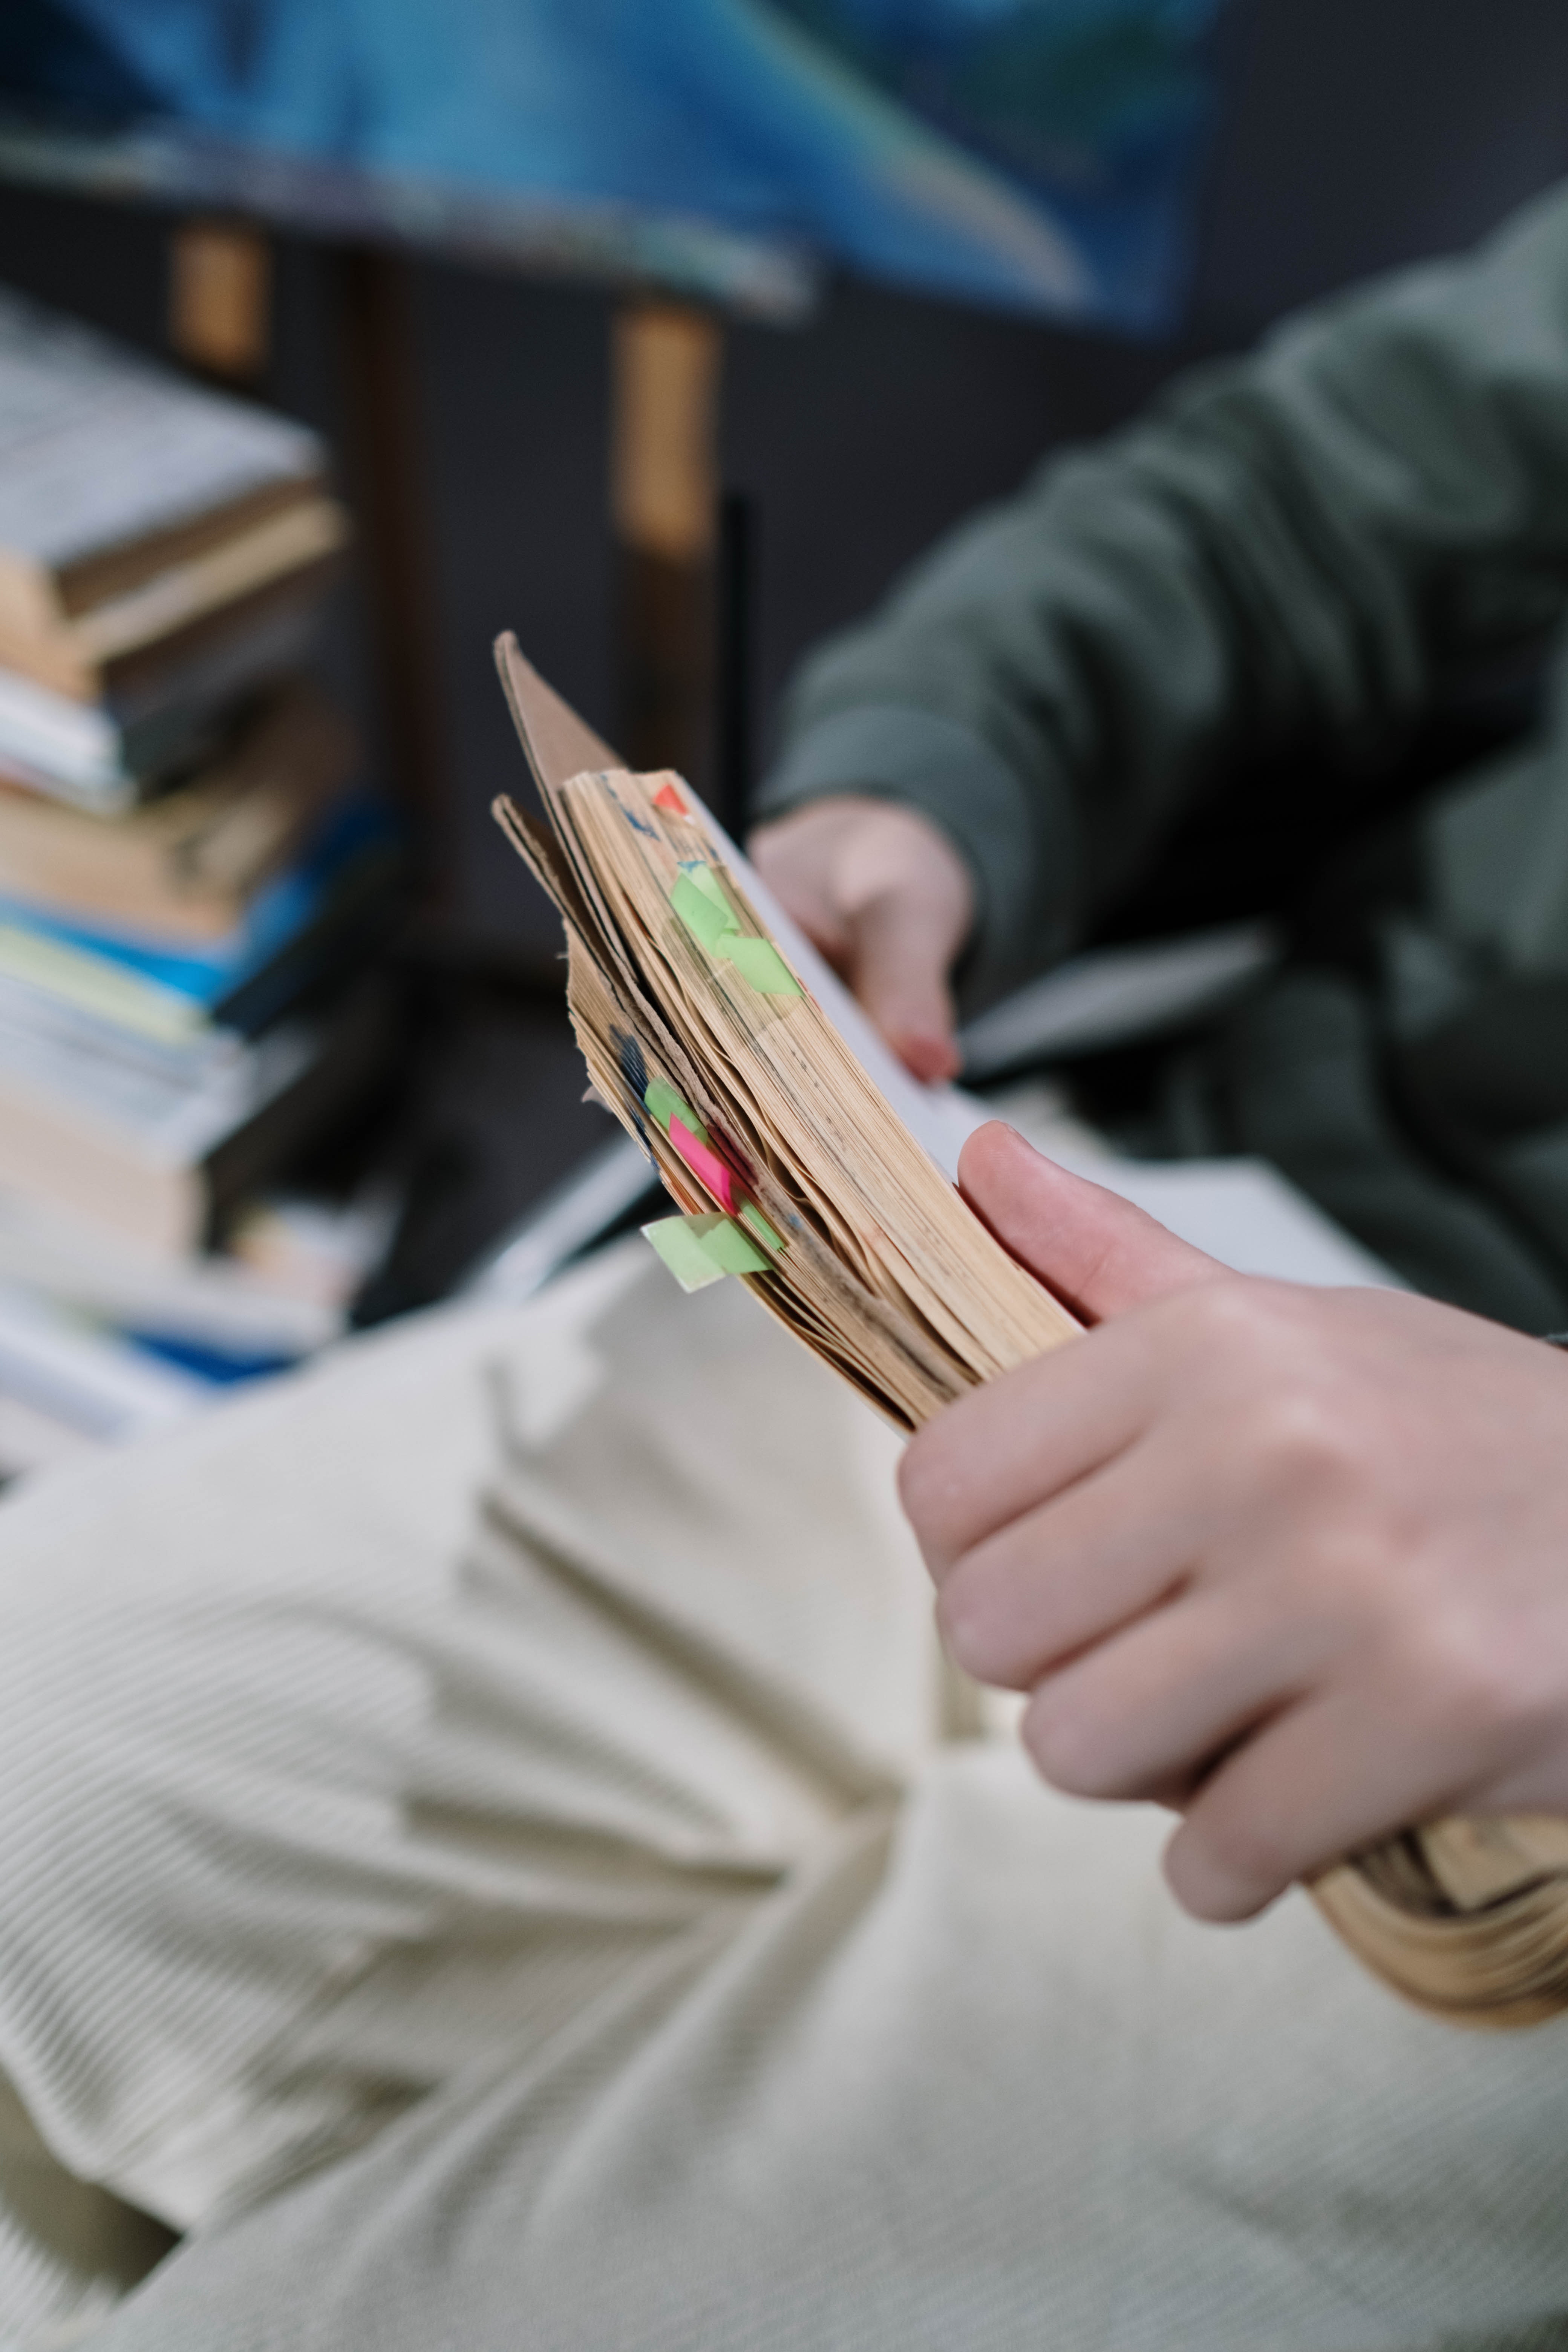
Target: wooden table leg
666,363
220,297
388,473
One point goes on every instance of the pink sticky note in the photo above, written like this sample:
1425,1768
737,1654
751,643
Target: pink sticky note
705,1165
667,797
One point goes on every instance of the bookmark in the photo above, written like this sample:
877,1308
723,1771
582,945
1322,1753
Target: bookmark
705,1164
700,1250
662,1104
699,899
674,1116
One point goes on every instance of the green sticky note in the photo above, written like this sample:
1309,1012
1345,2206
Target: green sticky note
705,921
730,1250
752,1216
708,882
683,1253
662,1104
759,962
700,1250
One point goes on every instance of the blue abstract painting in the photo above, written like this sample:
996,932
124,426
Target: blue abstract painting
1037,154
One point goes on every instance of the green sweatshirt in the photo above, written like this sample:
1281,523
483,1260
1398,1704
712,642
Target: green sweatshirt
1268,589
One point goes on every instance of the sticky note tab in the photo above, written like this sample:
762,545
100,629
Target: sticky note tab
698,871
662,1104
667,797
752,1216
759,962
705,921
681,1249
732,1251
704,1163
699,899
700,1250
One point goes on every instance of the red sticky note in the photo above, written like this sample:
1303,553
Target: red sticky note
705,1165
667,797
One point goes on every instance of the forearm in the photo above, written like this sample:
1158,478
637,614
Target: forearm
1294,550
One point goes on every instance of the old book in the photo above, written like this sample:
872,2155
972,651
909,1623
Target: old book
114,470
107,754
315,920
187,865
161,548
707,1032
159,1157
762,1122
115,646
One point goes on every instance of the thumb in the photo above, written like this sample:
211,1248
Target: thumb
898,968
1097,1252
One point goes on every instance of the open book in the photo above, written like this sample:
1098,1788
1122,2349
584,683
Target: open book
723,1044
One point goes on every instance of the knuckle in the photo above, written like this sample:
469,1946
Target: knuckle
1231,1314
1458,1672
1300,1434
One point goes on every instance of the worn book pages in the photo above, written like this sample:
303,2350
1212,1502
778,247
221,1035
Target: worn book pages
763,1125
793,1173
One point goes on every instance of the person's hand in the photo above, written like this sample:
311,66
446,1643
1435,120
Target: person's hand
889,901
1294,1561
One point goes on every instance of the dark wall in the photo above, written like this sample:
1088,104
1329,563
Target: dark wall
1351,136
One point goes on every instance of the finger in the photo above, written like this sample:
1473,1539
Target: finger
1327,1777
1044,1586
1160,1700
822,921
897,962
1098,1253
800,876
1007,1448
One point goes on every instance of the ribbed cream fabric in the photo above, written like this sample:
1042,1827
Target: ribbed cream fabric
478,1849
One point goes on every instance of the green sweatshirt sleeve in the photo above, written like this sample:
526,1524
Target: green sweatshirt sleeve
1301,549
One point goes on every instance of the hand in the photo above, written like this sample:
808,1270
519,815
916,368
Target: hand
889,901
1293,1561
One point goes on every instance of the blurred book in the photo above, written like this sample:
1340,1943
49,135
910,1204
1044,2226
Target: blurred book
160,547
68,1378
101,1342
313,1253
158,1152
114,646
106,757
316,916
227,1308
194,888
188,864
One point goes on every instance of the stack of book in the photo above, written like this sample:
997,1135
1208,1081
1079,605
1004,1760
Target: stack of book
192,882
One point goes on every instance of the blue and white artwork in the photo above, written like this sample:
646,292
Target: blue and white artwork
1037,155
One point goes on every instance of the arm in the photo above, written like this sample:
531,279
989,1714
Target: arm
1296,548
1292,1562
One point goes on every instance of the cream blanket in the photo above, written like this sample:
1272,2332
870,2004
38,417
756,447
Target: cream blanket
488,1849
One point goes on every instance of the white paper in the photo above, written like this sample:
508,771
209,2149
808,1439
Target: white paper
1111,996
